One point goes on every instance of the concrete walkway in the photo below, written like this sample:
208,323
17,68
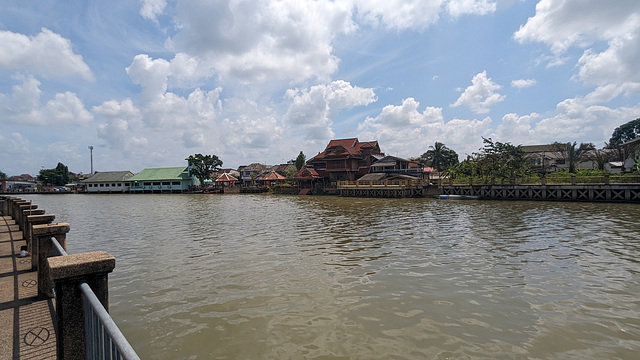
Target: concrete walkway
26,325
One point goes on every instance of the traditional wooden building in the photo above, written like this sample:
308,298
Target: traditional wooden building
345,159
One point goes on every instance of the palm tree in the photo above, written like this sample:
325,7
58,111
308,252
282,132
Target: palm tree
572,153
439,156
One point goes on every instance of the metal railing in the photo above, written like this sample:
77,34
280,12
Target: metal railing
103,338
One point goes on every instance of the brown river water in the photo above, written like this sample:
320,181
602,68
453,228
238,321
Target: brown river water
292,277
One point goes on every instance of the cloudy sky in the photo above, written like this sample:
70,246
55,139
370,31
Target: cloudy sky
148,83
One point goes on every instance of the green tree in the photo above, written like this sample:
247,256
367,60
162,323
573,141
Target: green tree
201,166
624,133
300,160
3,176
439,156
498,160
572,153
56,177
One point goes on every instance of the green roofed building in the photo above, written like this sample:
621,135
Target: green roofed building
108,182
158,180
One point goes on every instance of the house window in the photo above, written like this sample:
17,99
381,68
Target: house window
176,183
156,183
101,185
147,184
166,183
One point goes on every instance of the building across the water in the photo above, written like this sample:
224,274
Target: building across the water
108,182
158,180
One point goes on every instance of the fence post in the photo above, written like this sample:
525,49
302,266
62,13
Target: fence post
573,179
23,211
37,219
68,272
606,179
42,235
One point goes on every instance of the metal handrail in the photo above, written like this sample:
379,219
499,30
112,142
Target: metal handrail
58,250
104,339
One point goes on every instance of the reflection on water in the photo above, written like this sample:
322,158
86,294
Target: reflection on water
279,277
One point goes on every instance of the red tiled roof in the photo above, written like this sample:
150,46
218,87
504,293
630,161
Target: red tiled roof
271,176
346,147
306,173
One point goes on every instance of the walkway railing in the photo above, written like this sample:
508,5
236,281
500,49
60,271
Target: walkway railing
376,183
104,340
79,283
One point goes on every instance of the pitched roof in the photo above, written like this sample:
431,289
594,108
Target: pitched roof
109,176
271,176
346,147
226,178
170,173
306,174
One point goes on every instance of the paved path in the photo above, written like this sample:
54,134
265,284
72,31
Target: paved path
26,325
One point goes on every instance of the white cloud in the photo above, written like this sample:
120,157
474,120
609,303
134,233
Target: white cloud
264,40
23,107
399,14
591,25
562,24
47,54
618,64
478,7
152,8
406,131
523,83
151,75
480,95
314,109
575,119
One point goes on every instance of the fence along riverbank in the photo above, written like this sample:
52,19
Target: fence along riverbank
77,284
573,188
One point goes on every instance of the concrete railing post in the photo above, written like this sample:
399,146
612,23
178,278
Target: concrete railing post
23,211
68,272
37,219
606,179
15,211
42,235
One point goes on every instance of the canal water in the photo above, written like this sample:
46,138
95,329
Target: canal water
292,277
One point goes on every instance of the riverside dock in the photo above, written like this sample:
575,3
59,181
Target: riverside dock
26,322
52,305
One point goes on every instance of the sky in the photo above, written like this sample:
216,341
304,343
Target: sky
148,83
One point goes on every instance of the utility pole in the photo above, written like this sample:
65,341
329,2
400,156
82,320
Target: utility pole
91,150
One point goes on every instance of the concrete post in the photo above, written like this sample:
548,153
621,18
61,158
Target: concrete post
15,211
42,236
68,272
606,179
23,211
37,219
573,179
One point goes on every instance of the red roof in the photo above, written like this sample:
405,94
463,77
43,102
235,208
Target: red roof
307,173
346,147
271,177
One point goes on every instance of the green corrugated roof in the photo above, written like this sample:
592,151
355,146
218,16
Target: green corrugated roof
109,176
156,174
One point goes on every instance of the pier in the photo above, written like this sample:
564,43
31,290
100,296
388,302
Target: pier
52,305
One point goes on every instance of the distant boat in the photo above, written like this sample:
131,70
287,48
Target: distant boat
459,197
